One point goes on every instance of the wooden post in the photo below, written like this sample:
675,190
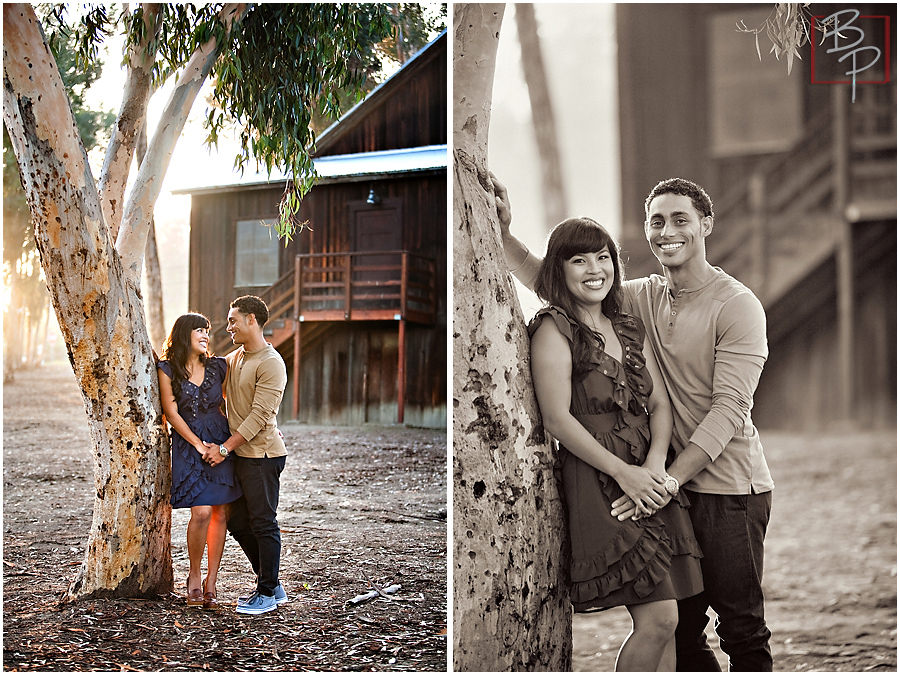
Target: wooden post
401,348
401,370
843,251
298,324
348,274
404,274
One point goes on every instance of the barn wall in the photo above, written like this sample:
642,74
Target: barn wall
798,388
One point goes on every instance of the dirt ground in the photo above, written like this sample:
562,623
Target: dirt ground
358,507
830,576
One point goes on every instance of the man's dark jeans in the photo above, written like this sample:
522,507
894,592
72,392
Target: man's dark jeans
252,521
730,530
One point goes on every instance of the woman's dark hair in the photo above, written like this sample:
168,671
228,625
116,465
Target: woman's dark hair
178,346
570,237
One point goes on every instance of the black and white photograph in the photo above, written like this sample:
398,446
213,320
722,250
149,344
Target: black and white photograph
674,337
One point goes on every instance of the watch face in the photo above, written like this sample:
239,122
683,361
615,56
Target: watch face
223,452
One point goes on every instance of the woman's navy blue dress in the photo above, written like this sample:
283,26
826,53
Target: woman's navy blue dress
194,482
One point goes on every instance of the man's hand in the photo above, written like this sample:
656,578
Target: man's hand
212,455
624,508
504,215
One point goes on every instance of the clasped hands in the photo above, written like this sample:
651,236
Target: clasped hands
645,494
210,453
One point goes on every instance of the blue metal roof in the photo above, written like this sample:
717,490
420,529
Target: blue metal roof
335,167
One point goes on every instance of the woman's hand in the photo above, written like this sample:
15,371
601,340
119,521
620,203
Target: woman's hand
645,488
501,198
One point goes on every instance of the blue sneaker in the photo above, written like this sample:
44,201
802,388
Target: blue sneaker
257,604
280,596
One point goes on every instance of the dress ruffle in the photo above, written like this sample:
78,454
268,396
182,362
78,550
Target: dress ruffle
639,556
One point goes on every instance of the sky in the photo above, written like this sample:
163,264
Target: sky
583,86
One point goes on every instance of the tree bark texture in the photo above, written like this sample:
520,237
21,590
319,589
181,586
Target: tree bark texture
543,120
511,607
101,317
152,271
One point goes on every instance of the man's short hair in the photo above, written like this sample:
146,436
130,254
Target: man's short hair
250,304
681,186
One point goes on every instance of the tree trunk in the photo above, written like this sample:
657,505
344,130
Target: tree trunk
101,318
556,207
152,271
511,607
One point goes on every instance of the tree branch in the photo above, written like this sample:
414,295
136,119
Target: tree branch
132,236
117,163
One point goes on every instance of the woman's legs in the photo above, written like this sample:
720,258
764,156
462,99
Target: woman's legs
215,545
196,542
653,629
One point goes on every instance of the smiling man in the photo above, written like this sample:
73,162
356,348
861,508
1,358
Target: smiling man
708,333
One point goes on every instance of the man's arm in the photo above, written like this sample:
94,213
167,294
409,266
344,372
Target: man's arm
740,354
521,262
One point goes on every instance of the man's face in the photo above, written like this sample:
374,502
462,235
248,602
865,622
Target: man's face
675,231
239,326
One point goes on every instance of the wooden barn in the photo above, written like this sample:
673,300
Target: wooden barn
804,188
358,298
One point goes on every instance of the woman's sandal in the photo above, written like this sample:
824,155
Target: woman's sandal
194,597
209,599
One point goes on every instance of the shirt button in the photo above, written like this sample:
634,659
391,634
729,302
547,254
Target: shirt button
674,312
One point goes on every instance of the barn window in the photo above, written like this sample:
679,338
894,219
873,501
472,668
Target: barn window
754,105
256,253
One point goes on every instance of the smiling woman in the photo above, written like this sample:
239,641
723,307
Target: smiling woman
190,384
601,396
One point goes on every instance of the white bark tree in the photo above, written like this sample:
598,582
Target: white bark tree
511,606
91,239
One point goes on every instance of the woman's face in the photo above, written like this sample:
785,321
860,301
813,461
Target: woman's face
589,276
200,340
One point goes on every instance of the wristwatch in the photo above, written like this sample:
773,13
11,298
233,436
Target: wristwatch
224,452
671,485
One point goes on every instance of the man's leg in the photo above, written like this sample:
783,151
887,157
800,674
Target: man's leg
692,652
239,527
731,530
259,477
